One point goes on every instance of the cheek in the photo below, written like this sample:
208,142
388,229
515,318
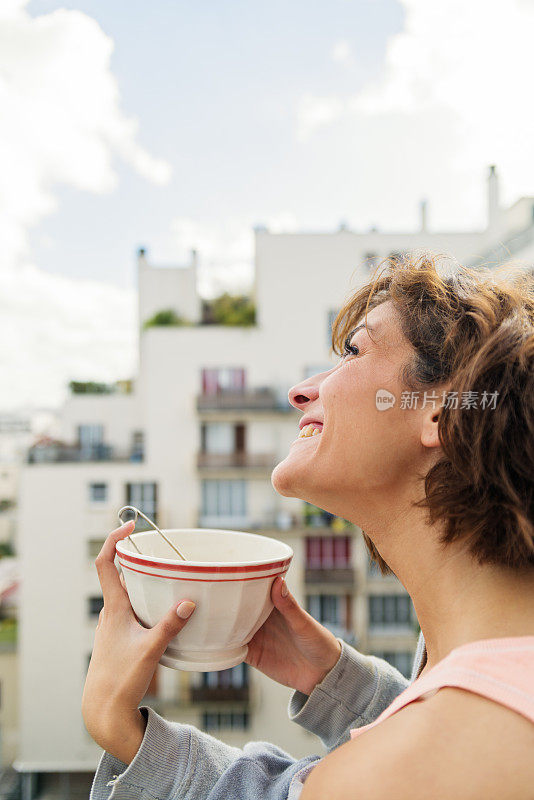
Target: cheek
358,435
348,398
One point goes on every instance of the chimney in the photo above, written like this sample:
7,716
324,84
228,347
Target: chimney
423,206
494,211
141,257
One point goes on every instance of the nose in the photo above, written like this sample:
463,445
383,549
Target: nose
305,392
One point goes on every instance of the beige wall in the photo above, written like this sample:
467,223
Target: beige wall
168,287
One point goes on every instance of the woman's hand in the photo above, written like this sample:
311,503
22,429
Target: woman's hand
291,647
124,658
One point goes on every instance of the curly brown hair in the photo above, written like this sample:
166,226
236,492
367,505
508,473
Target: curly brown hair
472,330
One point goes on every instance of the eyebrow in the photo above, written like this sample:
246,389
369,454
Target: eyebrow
361,327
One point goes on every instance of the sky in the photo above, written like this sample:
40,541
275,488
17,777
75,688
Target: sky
175,125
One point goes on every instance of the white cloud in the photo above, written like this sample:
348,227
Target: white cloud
61,123
54,329
225,249
342,53
459,71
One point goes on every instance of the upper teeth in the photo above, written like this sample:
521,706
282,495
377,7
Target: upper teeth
309,430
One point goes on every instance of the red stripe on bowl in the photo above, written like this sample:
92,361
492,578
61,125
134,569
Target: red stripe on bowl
190,568
203,580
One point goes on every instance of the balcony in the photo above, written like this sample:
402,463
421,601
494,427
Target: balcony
219,694
217,461
335,575
262,399
59,453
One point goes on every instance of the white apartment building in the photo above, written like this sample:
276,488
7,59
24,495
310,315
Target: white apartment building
192,442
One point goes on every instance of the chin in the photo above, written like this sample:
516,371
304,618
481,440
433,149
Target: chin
282,479
293,476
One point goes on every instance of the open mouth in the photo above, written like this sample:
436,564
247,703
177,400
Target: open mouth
313,429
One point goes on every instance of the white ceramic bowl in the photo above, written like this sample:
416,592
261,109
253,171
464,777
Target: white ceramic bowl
228,575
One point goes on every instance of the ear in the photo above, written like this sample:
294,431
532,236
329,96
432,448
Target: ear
429,429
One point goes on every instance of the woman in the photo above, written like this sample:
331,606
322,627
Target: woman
442,482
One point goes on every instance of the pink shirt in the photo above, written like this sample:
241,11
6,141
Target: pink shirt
498,669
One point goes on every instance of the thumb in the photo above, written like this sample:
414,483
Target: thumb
171,624
295,616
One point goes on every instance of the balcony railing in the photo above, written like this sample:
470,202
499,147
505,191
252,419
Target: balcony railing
236,460
339,575
63,453
219,694
263,399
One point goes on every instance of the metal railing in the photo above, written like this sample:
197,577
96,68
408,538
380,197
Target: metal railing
262,399
63,453
337,575
236,460
10,784
219,694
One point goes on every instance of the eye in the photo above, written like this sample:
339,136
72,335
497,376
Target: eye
350,349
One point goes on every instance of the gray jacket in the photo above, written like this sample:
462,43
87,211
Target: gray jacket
180,762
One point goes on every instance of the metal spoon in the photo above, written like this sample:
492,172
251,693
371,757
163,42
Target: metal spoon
128,513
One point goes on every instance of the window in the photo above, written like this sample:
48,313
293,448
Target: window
332,314
390,611
225,720
98,492
332,610
224,498
138,446
90,439
223,438
235,678
401,660
218,437
144,497
96,604
217,381
328,552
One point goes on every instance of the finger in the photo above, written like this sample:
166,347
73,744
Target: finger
105,566
293,613
170,626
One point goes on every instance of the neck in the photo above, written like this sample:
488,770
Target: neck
456,599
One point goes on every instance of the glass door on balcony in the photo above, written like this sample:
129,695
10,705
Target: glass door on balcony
216,381
90,440
331,610
218,438
235,678
328,552
390,612
144,497
224,501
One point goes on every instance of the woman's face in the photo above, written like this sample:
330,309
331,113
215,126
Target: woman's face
363,455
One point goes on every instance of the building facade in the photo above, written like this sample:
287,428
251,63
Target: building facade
192,442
